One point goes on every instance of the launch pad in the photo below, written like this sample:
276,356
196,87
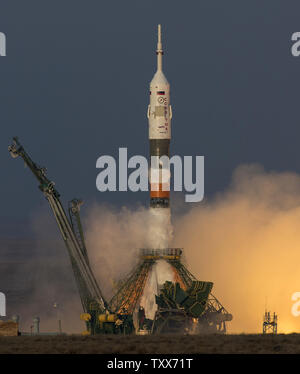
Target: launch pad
185,300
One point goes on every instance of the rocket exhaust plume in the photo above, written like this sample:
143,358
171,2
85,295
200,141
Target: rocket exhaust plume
246,239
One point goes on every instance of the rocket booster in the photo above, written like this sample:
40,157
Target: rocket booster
159,116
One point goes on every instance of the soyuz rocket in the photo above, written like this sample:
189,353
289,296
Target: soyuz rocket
159,117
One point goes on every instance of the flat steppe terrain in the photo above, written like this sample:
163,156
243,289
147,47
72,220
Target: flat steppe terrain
164,344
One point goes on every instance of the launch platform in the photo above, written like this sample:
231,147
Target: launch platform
196,303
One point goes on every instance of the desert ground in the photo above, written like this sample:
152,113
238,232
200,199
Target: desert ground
164,344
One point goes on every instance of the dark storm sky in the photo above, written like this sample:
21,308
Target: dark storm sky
74,86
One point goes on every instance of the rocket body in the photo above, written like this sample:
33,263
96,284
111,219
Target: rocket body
159,116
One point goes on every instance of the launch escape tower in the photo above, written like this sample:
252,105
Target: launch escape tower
269,323
183,305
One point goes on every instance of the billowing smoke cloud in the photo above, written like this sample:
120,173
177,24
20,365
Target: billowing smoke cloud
37,275
114,238
247,241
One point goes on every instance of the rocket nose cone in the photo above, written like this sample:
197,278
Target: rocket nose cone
159,78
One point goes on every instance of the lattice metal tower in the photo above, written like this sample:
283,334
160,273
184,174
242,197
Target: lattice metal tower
269,323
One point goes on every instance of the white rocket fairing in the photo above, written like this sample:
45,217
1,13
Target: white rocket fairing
159,116
159,110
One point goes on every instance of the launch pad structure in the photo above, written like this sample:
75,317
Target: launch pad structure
196,310
211,318
185,304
